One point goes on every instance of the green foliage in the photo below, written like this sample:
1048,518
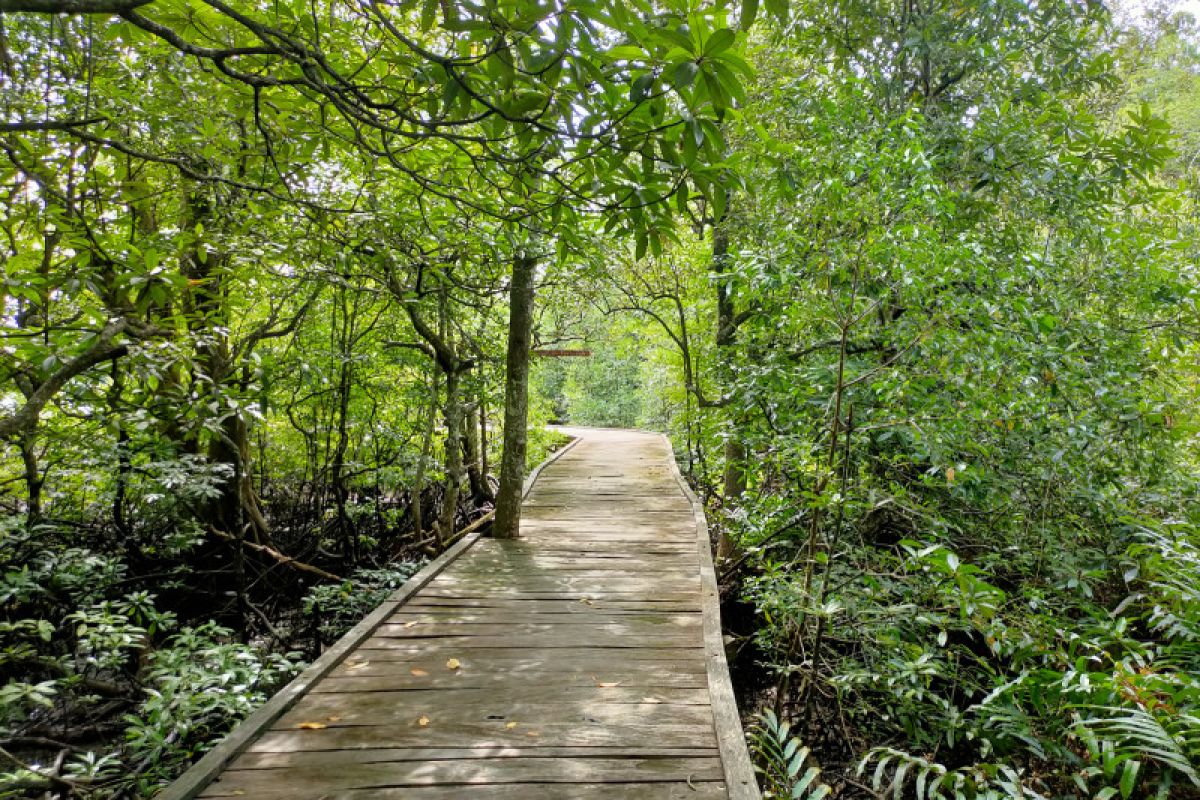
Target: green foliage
337,607
198,687
895,771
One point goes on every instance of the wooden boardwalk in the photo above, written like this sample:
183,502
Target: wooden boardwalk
583,660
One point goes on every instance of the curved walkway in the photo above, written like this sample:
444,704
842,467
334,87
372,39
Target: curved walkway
583,660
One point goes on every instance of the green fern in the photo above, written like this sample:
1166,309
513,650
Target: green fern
1125,737
895,771
784,763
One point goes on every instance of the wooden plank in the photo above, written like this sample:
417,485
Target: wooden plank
363,774
564,640
590,602
585,615
547,679
459,693
486,733
514,791
488,658
346,710
580,627
377,676
375,755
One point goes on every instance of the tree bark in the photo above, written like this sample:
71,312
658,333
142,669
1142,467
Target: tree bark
472,453
453,455
734,480
34,477
516,399
418,493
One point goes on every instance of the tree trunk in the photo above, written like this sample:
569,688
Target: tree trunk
734,480
472,452
417,502
516,399
34,478
453,455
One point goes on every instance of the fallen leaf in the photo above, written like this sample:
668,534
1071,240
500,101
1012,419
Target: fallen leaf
356,664
585,601
453,663
510,725
423,721
533,733
608,684
651,700
412,623
311,726
334,718
418,672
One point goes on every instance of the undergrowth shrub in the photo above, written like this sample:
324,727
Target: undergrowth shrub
1084,683
336,607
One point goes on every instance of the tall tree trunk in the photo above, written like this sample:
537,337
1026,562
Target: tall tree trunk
418,492
453,455
214,369
483,442
516,399
343,329
472,452
734,482
341,492
34,477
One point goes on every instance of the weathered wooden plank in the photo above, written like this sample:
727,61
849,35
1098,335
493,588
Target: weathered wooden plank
596,705
585,653
518,605
602,567
610,580
491,733
462,694
376,677
471,772
588,615
341,758
682,790
635,631
575,594
421,673
565,640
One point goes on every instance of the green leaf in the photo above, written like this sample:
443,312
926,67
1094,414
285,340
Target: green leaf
626,52
716,92
641,87
429,10
683,74
1129,778
720,40
749,13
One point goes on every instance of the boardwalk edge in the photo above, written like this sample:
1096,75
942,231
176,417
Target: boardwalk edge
203,772
731,740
